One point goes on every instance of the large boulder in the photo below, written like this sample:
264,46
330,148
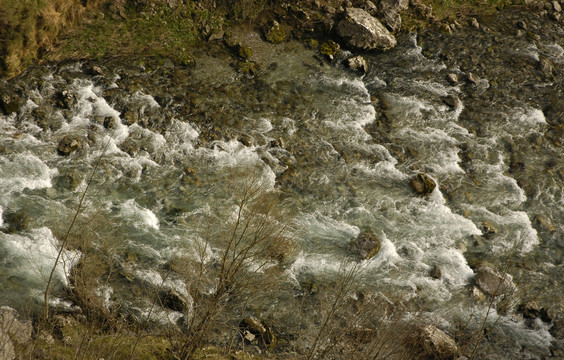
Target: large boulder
366,244
436,344
492,282
361,30
12,331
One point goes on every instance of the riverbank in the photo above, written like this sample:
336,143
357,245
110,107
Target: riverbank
59,30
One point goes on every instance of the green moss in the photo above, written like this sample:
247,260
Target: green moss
312,44
275,33
330,49
244,51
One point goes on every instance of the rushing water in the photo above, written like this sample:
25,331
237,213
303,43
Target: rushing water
170,144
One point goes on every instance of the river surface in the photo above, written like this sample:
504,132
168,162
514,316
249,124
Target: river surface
168,146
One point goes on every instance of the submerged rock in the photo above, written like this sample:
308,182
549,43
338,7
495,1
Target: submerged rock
492,282
436,344
361,30
423,184
366,244
436,272
17,221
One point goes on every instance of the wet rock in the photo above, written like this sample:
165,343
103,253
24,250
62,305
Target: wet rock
436,272
357,63
361,30
473,78
330,49
130,117
252,328
493,283
488,229
452,101
70,144
10,102
436,344
423,184
366,245
65,99
452,78
275,33
173,300
530,310
110,122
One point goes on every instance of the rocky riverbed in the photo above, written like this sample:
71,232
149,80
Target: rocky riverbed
435,165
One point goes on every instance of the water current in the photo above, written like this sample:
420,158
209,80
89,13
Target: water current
172,144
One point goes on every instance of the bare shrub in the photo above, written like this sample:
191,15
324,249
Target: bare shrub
233,266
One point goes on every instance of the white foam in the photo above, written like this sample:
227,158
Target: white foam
145,98
233,154
529,116
25,171
34,255
183,135
518,231
141,216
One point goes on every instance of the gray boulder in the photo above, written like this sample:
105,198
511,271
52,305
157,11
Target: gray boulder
492,282
12,331
361,30
436,344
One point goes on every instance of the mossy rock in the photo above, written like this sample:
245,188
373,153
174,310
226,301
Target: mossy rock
244,51
312,44
275,33
330,49
249,68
